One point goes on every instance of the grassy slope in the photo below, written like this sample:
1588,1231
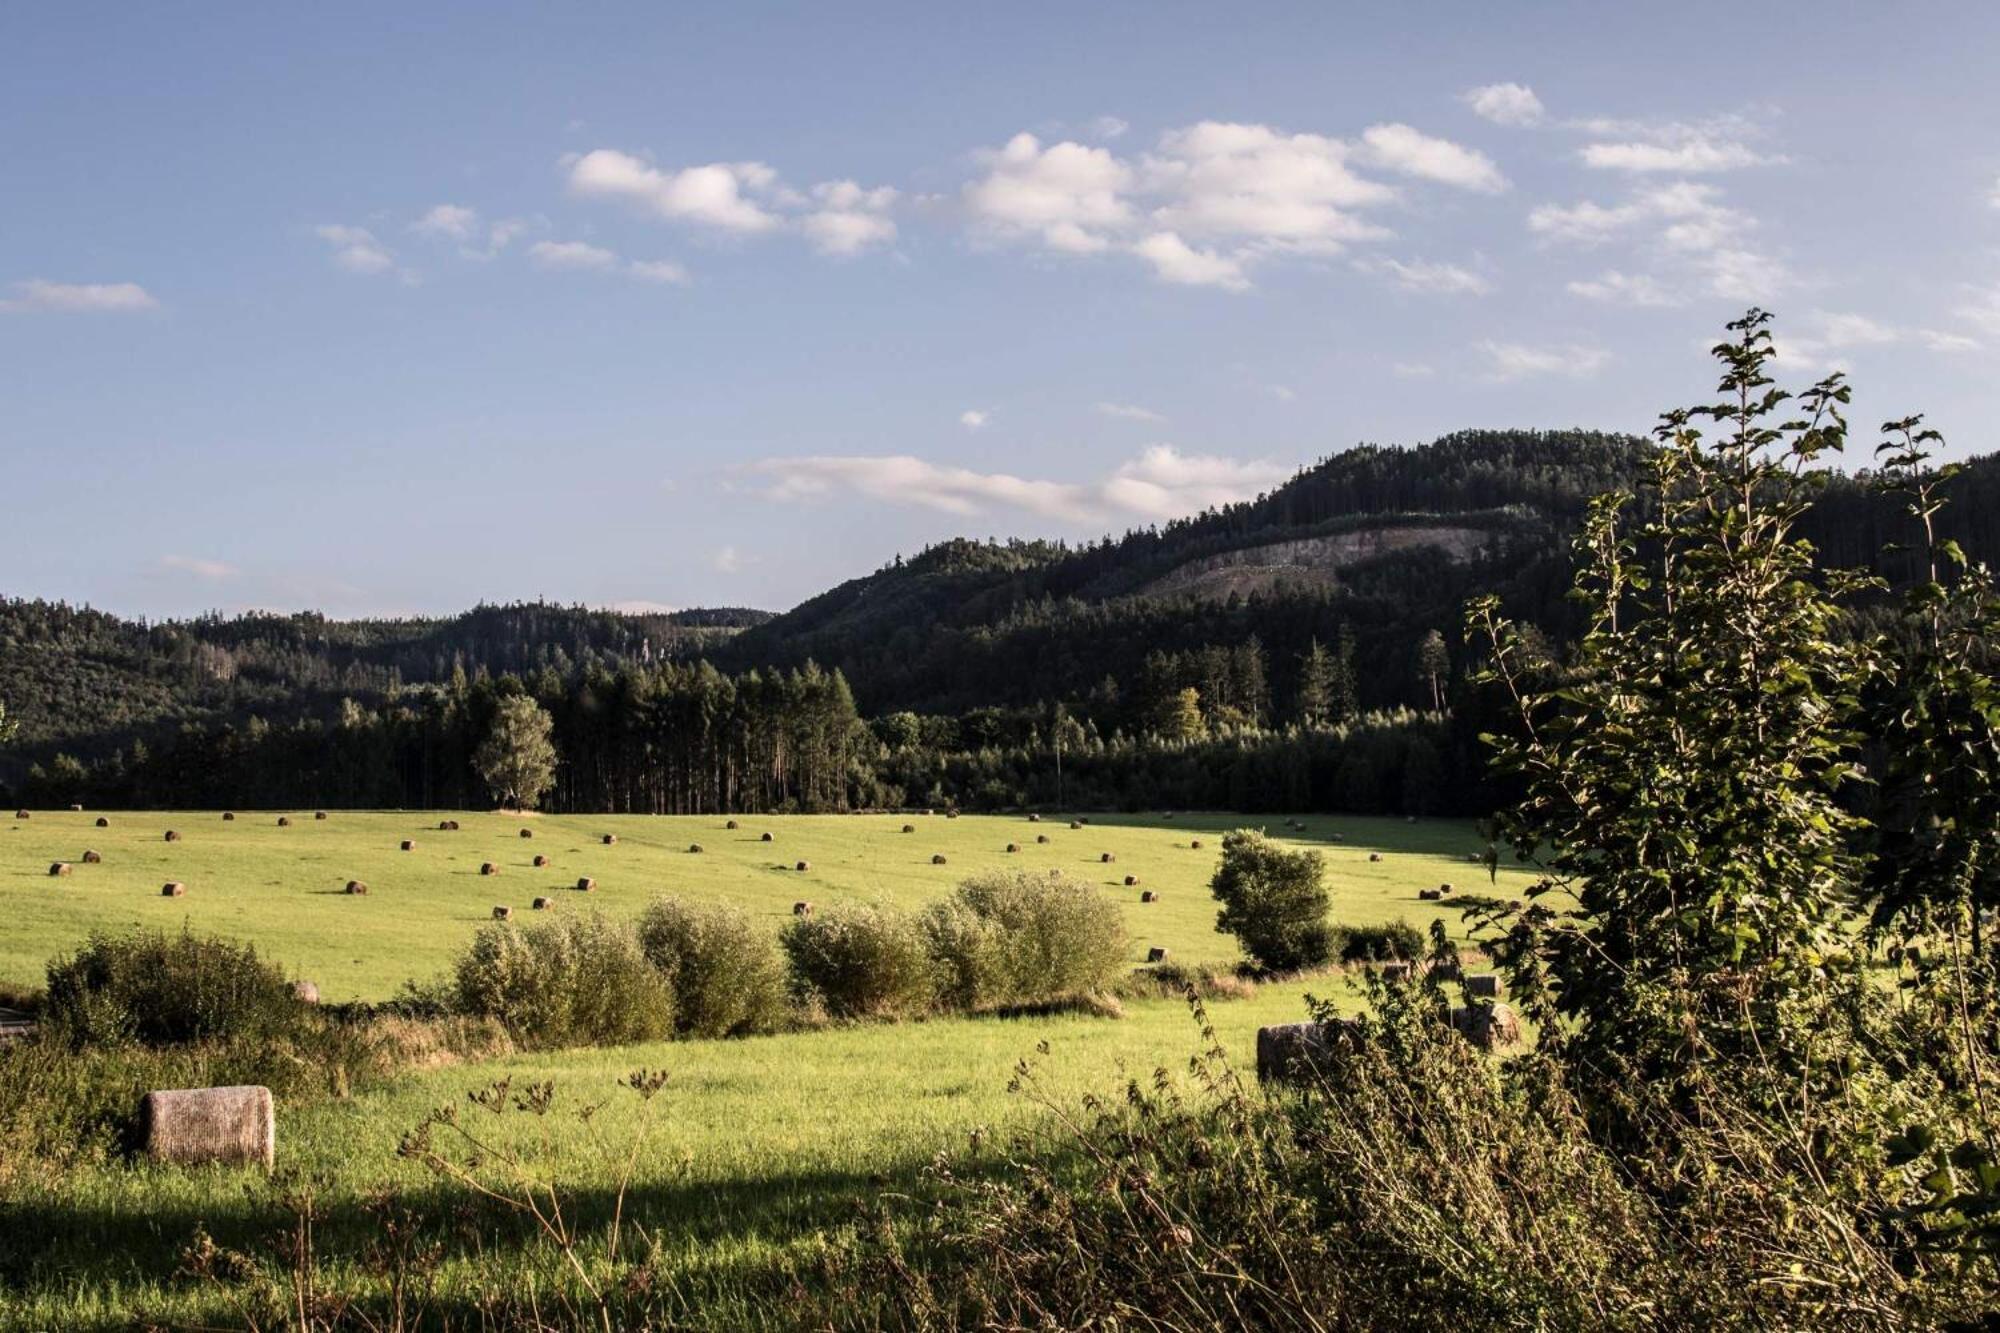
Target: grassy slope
281,887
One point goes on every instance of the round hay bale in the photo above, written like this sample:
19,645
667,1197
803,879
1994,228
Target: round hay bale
938,859
1156,954
1034,819
1131,880
1149,897
1483,985
501,913
541,861
1194,844
173,888
765,837
1013,846
1290,1051
694,849
284,821
20,814
306,991
488,868
909,828
92,857
1429,895
951,814
1395,971
1487,1026
1107,858
409,844
191,1126
1076,823
356,887
228,816
102,822
58,869
1444,888
76,808
732,824
804,866
544,904
585,884
1041,837
173,836
611,840
802,908
527,833
1374,856
319,814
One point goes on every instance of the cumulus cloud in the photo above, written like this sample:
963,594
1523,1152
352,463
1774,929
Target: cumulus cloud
1068,194
355,248
848,219
1616,288
212,570
1683,225
1174,260
972,418
720,194
1720,143
664,271
1402,149
1514,361
1161,483
79,297
571,255
1131,412
1254,184
1511,104
1421,275
449,220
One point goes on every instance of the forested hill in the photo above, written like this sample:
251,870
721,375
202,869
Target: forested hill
88,682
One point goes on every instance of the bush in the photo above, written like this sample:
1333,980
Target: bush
167,990
861,962
724,969
1273,901
566,981
1396,942
1014,937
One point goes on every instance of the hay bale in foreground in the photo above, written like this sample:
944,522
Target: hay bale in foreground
1487,1026
190,1126
59,868
1483,985
501,913
307,992
1156,954
102,822
355,886
1295,1051
173,888
91,856
586,884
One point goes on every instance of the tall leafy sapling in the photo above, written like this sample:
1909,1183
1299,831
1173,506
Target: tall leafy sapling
1274,901
517,760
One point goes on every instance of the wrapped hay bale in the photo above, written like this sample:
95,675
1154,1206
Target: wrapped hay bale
58,869
92,857
1292,1051
1487,1026
173,888
356,887
307,992
1483,985
501,913
189,1126
586,885
488,868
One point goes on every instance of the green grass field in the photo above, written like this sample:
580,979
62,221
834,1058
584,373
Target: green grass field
282,888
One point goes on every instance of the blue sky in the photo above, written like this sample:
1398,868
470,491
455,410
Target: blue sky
390,309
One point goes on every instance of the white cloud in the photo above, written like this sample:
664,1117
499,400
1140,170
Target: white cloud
355,248
1695,155
1109,127
1616,288
1068,194
972,418
1683,225
726,560
719,194
1131,412
1421,275
1402,149
1174,260
1982,307
1251,183
454,221
1513,361
1161,483
571,255
213,570
1512,104
849,218
664,271
79,297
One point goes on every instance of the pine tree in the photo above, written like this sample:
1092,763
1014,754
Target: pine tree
1316,686
1345,703
1434,667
